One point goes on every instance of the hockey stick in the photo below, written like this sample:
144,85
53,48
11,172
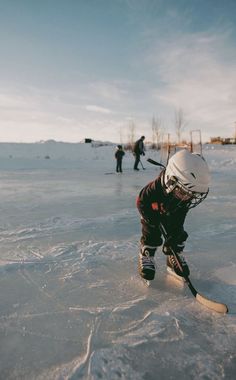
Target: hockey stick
142,164
155,163
213,305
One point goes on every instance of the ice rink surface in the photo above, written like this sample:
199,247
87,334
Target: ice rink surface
72,305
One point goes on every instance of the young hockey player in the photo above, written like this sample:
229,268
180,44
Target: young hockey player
119,156
165,201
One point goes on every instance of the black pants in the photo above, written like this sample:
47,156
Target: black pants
119,166
151,235
137,160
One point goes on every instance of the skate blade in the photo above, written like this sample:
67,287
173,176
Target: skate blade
146,282
172,272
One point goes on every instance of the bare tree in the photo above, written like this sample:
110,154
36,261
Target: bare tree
180,123
131,135
156,132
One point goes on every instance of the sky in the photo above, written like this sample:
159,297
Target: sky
72,69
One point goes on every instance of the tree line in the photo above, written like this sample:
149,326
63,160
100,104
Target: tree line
158,132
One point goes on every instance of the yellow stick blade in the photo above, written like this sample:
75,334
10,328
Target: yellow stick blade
213,305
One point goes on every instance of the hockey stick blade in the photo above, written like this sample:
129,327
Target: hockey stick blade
213,305
210,304
155,162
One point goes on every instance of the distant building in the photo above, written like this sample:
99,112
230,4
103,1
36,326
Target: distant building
216,140
223,141
228,141
87,140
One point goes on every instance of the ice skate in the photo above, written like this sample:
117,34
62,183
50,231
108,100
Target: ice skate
146,263
173,268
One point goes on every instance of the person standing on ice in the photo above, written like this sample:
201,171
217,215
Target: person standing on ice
119,154
138,150
182,185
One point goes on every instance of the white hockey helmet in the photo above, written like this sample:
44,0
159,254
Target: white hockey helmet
187,177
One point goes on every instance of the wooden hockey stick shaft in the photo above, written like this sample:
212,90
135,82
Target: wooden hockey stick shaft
142,164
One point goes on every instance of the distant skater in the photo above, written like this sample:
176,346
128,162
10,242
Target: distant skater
119,154
138,150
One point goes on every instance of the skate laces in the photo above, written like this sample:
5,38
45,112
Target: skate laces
182,269
147,261
174,263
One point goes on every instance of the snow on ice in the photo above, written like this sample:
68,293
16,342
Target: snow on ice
72,305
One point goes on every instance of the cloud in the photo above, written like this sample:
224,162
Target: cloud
14,101
113,91
197,72
98,109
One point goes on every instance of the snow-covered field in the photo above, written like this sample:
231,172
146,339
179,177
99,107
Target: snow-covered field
71,303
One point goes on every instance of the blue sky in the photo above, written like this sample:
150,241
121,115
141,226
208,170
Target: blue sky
71,69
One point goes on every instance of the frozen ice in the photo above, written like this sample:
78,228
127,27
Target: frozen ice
72,305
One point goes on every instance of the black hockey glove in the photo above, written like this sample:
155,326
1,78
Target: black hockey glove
176,244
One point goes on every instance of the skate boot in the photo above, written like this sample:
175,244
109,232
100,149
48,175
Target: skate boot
146,263
173,265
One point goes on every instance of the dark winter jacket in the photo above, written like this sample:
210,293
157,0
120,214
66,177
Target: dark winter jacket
138,147
119,154
156,207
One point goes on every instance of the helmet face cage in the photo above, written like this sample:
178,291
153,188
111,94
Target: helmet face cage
186,197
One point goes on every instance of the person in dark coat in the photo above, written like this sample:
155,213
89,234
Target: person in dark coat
138,150
164,203
119,154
